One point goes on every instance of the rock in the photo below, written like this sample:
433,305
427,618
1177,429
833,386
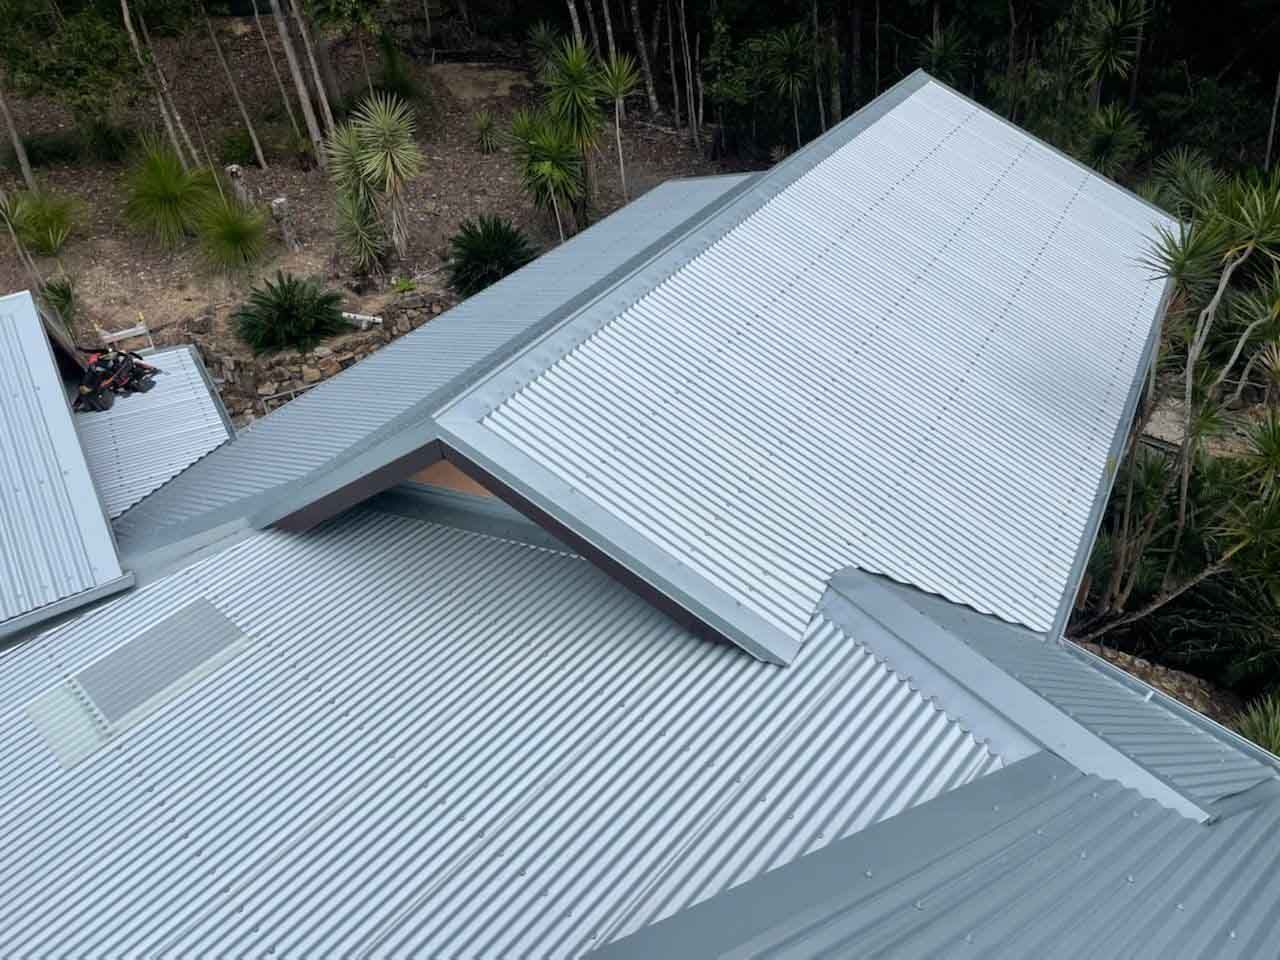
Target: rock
267,389
437,308
311,375
322,352
329,366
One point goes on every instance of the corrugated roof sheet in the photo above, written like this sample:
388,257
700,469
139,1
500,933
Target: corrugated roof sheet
438,743
147,439
55,545
909,349
1040,862
362,403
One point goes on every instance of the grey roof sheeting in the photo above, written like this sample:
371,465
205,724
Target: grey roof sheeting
1037,860
147,439
349,413
910,347
56,549
436,743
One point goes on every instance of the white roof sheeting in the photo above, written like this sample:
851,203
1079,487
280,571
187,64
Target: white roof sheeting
147,439
476,748
56,548
912,357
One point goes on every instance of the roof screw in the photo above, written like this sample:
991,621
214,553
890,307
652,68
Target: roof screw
1131,880
868,874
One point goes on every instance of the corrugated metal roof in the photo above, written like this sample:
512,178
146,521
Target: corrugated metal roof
477,748
55,546
355,408
147,439
1034,862
909,349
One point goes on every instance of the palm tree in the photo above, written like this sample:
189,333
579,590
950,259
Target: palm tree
389,157
788,67
619,79
573,96
1109,45
551,162
1112,140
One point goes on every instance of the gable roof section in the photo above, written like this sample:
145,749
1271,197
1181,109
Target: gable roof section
431,743
147,439
331,425
911,347
56,549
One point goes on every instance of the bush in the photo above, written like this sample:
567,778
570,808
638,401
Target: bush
166,201
485,250
486,131
236,147
289,314
107,143
60,294
1260,722
46,149
232,236
43,220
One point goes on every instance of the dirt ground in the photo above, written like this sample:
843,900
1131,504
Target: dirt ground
119,277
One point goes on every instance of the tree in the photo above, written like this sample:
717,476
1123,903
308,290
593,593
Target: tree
275,72
156,84
305,33
642,49
299,84
1109,44
619,79
389,158
573,97
550,161
19,151
235,92
788,68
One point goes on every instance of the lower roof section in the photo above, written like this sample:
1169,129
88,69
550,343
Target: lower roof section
1037,860
147,439
393,737
56,549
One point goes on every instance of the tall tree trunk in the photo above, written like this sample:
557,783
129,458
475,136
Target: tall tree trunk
167,91
235,91
855,55
1137,65
426,12
642,49
577,35
795,116
1011,65
310,49
555,206
694,133
617,136
324,56
151,82
671,56
875,92
937,17
591,24
833,66
816,43
299,84
275,72
20,151
655,35
1271,133
608,27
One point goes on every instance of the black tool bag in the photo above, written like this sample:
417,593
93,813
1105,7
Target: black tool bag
112,372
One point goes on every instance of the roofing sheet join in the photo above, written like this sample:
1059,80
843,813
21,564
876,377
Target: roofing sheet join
908,349
55,546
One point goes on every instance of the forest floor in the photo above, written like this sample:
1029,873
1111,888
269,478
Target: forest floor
119,276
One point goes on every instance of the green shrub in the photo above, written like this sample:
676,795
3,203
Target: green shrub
236,147
404,285
232,236
486,131
60,294
289,314
166,201
43,220
62,147
1260,722
106,142
483,251
542,39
